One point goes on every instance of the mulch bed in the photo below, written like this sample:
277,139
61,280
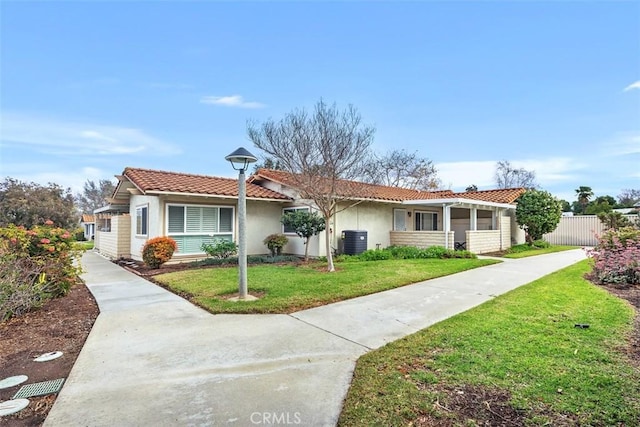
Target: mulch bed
62,324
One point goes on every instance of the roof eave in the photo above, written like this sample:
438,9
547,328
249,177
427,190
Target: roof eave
216,196
458,201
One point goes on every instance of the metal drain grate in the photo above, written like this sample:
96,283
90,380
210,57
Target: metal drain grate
39,389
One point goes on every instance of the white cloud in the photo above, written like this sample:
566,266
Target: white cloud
634,85
43,174
549,171
230,101
71,138
622,144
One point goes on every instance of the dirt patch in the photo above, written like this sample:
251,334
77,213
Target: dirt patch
62,324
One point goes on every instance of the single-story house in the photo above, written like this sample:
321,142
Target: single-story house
195,209
88,224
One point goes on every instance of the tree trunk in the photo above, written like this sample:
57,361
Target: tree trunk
327,231
306,249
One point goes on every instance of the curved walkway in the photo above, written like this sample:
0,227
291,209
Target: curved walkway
152,358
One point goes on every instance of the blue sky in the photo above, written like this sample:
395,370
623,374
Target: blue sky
88,88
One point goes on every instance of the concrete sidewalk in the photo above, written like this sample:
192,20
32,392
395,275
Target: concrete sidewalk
153,358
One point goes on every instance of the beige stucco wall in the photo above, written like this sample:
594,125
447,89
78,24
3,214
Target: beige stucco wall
374,218
518,236
505,231
154,223
421,239
263,219
115,243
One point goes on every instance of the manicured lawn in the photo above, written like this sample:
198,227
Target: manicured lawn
524,251
83,246
523,346
288,288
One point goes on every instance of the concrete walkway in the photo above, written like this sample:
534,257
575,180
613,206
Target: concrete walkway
154,359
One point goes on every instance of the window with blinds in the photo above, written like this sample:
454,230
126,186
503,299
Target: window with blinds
191,226
426,221
142,220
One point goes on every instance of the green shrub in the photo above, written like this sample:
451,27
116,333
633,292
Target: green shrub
275,243
158,250
541,244
374,255
404,252
35,265
411,252
436,252
220,248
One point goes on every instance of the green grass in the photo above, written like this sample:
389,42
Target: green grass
288,288
523,251
83,246
524,343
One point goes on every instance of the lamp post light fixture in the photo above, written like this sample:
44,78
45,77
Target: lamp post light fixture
240,160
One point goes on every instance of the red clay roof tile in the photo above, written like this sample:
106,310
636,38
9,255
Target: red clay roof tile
355,189
147,180
501,195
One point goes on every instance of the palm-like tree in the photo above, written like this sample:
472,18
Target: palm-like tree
584,194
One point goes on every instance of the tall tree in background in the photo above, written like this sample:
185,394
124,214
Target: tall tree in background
629,197
94,195
30,204
583,193
319,149
507,176
398,168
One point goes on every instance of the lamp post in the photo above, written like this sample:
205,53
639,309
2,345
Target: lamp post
240,160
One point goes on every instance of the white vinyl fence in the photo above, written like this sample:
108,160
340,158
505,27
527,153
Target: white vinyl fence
580,230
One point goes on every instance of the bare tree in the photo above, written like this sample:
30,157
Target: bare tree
398,168
94,195
507,176
471,188
319,149
629,197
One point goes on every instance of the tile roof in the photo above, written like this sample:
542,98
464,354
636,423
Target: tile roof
147,180
501,195
355,189
88,218
361,190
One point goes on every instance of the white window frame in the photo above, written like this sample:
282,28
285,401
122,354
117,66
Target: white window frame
201,233
434,220
142,228
399,213
292,209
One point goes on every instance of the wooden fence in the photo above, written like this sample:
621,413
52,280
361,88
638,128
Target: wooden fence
580,230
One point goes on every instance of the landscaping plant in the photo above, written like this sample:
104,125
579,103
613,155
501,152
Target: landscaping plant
158,250
36,264
275,243
537,212
305,224
220,248
616,258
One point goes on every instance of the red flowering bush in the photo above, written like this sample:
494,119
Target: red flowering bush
158,250
616,258
35,265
